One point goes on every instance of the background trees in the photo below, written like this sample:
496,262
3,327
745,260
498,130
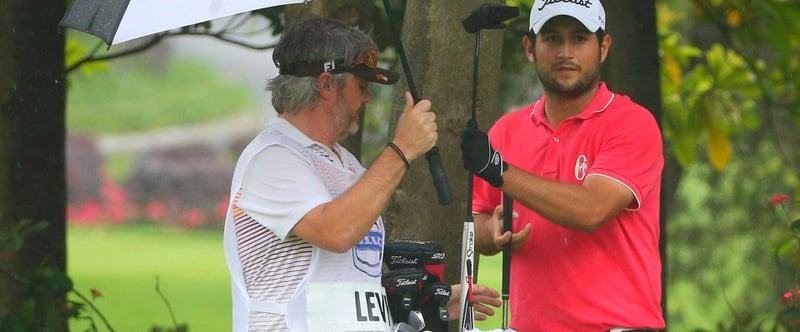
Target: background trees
728,84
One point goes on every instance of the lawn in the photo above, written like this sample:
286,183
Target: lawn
123,262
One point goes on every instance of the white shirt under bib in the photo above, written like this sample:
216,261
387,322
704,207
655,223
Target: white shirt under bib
279,281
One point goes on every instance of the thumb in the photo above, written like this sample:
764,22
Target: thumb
409,101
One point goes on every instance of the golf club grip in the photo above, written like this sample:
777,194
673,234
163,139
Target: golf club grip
439,176
489,16
508,213
434,160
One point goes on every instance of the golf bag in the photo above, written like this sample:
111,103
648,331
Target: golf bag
414,284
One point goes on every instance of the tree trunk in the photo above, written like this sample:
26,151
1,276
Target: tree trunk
632,68
32,138
440,55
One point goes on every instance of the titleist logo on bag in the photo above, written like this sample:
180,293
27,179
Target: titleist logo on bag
405,282
404,260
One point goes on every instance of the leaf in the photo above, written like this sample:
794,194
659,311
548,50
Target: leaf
29,229
733,17
719,146
673,70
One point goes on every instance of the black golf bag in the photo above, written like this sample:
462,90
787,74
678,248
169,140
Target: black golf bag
414,283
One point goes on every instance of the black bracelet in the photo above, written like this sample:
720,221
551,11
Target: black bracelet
399,153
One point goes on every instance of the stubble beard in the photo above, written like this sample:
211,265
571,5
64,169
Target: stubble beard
346,125
552,85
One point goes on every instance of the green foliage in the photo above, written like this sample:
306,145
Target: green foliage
11,241
721,238
744,80
42,289
715,96
45,303
73,52
729,83
135,98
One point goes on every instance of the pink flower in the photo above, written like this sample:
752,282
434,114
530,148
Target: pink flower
787,298
116,213
113,192
193,217
777,199
88,212
156,210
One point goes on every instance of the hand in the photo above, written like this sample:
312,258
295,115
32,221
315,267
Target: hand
415,133
484,297
479,157
501,237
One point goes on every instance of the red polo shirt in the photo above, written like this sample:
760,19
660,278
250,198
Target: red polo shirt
569,280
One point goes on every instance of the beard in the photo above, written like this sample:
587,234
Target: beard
552,85
345,123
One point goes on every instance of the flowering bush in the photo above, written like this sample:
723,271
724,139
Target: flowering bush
185,187
787,257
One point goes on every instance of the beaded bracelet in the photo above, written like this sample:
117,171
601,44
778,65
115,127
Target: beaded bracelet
399,153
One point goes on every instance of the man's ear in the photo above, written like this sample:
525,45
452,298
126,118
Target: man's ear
529,45
605,45
325,85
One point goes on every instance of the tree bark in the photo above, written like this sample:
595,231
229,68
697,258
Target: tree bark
32,138
632,68
441,54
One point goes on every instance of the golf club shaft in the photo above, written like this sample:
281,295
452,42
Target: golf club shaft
434,159
467,319
508,212
475,62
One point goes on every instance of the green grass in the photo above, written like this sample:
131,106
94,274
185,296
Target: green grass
134,97
490,274
123,262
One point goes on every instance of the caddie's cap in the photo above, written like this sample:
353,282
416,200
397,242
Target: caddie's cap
365,66
588,12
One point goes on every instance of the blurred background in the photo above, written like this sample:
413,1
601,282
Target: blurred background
153,138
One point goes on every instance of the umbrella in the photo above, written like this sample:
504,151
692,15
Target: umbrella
117,21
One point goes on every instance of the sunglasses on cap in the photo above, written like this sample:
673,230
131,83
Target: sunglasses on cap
364,66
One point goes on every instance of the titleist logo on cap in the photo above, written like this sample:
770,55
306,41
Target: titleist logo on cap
585,3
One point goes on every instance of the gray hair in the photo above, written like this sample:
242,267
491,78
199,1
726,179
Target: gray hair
308,40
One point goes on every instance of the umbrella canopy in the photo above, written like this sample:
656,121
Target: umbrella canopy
117,21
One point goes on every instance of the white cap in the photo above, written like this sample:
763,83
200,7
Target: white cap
588,12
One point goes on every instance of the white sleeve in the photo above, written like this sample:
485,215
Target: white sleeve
279,188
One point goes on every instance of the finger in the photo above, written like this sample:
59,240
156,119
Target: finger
483,309
409,101
488,301
486,292
518,239
501,240
480,316
498,212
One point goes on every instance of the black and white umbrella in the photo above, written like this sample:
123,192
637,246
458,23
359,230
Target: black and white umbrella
117,21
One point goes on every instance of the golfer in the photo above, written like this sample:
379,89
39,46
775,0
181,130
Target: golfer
583,165
304,238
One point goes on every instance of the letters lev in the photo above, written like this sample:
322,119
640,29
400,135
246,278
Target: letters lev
371,306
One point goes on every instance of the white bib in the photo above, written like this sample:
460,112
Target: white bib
343,306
